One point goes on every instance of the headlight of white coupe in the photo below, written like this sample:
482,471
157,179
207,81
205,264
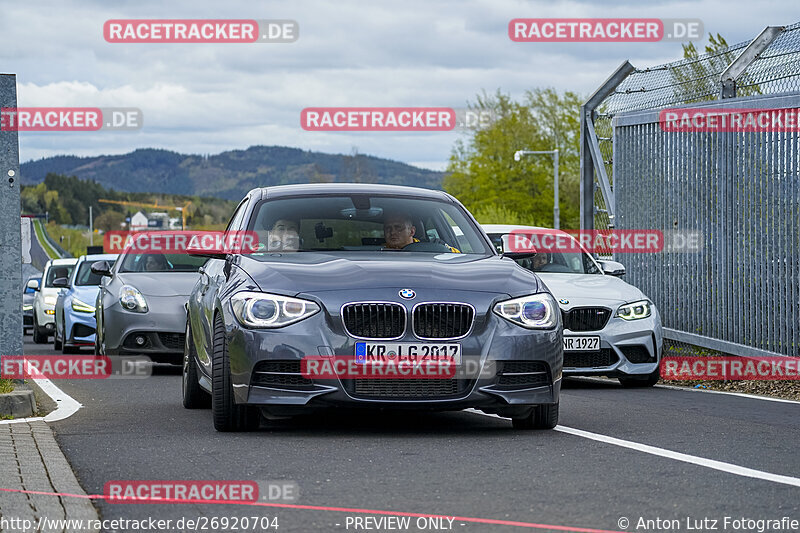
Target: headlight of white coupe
264,310
132,300
537,311
635,310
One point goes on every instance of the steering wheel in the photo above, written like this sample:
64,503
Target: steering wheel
426,247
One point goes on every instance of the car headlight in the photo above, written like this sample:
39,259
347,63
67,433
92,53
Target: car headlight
131,299
82,307
635,310
263,310
27,307
50,300
537,311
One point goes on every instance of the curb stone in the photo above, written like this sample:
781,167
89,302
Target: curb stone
30,459
19,403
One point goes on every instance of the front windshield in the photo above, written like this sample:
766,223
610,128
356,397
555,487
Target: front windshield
160,263
58,271
556,262
85,277
349,223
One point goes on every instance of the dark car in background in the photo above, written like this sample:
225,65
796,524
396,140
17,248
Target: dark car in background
28,294
332,279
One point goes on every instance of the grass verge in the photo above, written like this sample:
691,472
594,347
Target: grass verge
6,385
49,250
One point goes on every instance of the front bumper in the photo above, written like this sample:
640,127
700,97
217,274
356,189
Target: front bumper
626,348
159,333
80,328
492,342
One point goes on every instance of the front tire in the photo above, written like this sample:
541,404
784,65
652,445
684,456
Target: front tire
38,336
541,417
633,382
227,414
57,342
194,397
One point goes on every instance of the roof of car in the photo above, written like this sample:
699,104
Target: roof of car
352,188
99,257
63,261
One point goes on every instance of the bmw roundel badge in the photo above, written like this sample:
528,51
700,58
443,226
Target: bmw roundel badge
407,294
563,301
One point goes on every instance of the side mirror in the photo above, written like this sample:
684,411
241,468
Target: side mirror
61,282
33,284
101,268
612,268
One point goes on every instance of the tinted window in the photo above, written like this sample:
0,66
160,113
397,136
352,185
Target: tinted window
160,263
558,262
58,271
85,276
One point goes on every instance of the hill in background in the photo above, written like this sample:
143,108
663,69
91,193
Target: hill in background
228,175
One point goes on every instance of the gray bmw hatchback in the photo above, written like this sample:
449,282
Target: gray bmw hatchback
347,284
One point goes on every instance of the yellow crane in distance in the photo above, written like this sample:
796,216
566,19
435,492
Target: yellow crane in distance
182,208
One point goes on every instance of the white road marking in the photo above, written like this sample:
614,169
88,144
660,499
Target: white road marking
669,454
66,404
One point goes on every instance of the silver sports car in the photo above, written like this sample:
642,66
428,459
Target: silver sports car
140,308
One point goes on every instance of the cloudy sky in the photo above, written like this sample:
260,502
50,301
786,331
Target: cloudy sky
208,98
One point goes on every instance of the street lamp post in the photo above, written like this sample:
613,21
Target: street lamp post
518,157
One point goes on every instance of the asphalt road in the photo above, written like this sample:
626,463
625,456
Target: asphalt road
456,464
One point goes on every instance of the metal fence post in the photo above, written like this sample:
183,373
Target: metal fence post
738,66
587,164
11,241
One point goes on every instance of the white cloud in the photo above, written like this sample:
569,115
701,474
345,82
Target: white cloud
211,98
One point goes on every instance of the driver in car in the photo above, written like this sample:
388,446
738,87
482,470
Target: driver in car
539,260
284,236
399,231
155,263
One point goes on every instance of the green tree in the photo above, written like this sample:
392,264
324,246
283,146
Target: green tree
482,172
697,79
109,220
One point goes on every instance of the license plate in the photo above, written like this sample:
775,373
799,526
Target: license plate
407,351
582,344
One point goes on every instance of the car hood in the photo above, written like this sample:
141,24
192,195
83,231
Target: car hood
581,289
311,273
161,283
86,294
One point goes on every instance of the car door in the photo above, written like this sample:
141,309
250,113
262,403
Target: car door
205,296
